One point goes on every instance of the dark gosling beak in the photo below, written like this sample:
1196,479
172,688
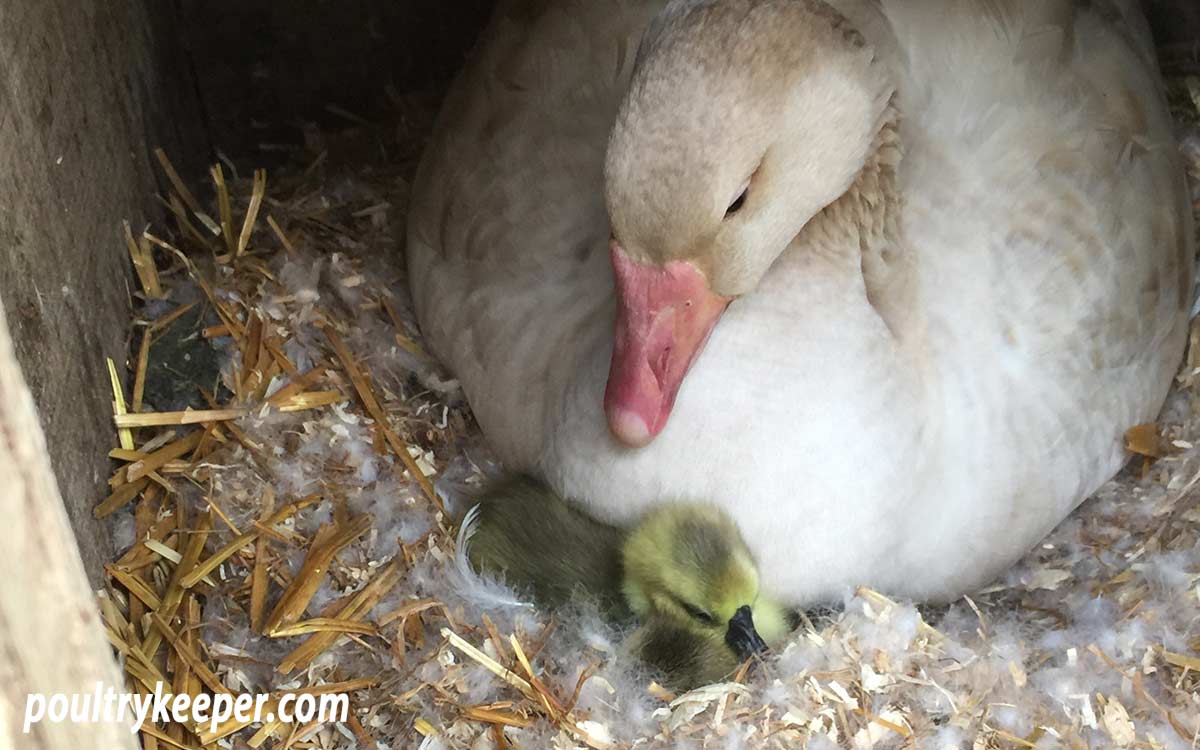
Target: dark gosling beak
742,637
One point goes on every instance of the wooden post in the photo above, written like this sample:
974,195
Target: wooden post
51,637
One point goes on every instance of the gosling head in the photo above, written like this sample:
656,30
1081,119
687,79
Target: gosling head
686,565
743,120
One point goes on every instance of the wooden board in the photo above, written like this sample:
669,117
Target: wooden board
51,639
87,89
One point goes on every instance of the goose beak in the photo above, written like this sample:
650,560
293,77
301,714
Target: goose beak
664,316
742,637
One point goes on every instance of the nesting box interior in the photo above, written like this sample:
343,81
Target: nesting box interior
290,536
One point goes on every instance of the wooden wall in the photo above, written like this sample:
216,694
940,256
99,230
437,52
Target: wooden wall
87,89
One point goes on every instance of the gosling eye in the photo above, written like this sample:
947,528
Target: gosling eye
698,614
739,201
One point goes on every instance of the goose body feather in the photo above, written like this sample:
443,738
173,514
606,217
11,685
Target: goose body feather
910,403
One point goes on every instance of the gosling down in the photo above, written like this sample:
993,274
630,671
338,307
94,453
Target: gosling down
683,573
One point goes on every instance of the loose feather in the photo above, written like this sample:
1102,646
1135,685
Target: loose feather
481,588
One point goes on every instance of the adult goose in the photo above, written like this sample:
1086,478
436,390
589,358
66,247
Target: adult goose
886,279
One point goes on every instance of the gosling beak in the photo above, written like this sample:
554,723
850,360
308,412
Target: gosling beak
742,637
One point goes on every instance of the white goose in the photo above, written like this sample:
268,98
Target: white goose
943,249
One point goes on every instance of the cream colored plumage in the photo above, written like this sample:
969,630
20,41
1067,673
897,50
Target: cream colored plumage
962,270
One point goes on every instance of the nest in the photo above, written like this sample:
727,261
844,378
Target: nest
287,450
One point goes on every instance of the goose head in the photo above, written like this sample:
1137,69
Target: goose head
743,120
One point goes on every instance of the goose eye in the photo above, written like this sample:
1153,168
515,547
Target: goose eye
698,614
738,202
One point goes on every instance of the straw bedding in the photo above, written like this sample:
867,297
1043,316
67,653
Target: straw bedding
288,453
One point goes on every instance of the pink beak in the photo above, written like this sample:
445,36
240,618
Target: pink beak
664,316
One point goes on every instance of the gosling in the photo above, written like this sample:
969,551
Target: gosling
690,580
683,572
543,546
